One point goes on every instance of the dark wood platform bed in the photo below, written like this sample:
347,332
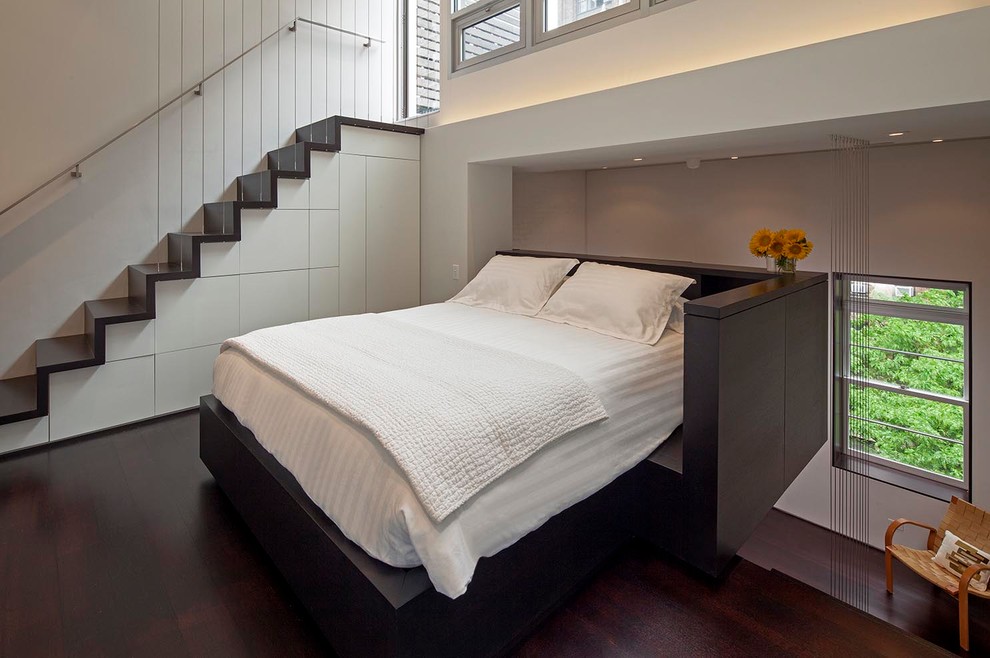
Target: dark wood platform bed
755,412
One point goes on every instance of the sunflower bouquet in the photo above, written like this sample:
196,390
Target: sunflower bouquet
783,248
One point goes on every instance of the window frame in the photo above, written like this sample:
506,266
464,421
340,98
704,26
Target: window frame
406,64
542,35
849,458
531,41
477,13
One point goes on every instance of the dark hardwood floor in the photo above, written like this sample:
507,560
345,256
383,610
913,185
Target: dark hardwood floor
803,550
121,544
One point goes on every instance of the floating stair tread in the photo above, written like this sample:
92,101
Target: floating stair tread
207,237
162,268
378,125
18,396
63,351
289,173
290,158
321,132
119,307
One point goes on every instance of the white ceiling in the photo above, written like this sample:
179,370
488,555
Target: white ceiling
948,123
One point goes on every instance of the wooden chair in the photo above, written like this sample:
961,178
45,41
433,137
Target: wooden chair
969,523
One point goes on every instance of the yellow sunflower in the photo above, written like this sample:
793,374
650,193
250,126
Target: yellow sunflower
794,235
794,250
808,246
776,247
760,241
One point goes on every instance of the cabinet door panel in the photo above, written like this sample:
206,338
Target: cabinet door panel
393,234
353,239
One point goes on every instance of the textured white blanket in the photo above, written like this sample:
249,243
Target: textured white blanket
455,415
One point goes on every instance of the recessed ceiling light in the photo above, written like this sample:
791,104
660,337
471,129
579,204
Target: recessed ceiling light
938,140
604,167
734,157
897,134
637,159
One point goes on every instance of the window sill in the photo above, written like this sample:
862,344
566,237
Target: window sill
423,115
916,483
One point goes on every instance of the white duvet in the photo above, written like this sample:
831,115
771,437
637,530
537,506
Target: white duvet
454,414
344,469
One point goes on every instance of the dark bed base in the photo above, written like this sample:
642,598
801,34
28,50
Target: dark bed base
755,413
367,608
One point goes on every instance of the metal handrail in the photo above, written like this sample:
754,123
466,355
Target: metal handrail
367,42
74,169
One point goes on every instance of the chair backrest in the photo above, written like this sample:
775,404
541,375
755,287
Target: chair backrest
967,522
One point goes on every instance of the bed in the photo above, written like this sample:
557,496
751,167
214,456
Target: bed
696,447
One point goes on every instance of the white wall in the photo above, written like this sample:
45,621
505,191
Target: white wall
772,90
548,211
929,218
489,210
689,37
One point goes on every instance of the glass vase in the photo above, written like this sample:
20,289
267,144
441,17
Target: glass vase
786,265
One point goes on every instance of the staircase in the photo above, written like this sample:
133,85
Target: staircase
24,398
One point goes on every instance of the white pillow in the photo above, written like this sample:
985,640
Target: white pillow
956,556
676,321
617,301
515,284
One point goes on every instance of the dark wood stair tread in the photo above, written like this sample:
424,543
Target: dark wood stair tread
326,132
53,353
214,236
111,309
289,161
19,396
163,269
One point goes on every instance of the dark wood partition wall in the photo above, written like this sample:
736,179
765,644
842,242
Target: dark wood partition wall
755,408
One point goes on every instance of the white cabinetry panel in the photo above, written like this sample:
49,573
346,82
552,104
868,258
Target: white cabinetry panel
392,234
274,240
197,312
378,143
353,243
102,396
130,339
324,183
273,298
323,293
182,377
324,238
220,258
293,193
24,434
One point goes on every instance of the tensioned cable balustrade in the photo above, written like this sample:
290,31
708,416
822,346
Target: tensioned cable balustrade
75,170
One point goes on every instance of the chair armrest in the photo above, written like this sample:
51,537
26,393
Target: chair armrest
895,525
969,574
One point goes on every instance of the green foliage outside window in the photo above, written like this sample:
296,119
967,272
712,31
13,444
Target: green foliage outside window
915,372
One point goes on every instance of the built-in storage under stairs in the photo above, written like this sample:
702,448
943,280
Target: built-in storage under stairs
24,398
